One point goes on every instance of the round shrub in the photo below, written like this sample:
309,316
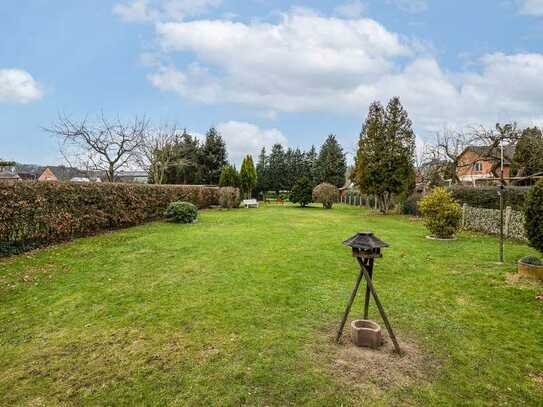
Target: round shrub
181,212
229,197
301,192
534,261
326,194
442,214
534,216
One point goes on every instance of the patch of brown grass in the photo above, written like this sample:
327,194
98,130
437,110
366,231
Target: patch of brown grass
522,281
375,370
537,379
30,275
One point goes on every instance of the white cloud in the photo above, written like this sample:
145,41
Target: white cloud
531,7
245,138
296,64
351,9
18,86
162,10
311,63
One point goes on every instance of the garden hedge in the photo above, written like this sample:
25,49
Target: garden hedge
39,213
487,197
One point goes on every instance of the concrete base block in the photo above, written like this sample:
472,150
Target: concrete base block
366,333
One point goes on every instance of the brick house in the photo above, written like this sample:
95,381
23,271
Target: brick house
474,163
47,175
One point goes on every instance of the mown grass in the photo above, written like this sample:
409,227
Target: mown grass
241,307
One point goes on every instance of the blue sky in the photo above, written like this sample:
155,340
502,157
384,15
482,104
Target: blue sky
265,71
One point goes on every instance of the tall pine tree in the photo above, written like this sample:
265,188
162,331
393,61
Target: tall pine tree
247,176
186,150
213,157
311,165
384,162
331,164
276,168
262,173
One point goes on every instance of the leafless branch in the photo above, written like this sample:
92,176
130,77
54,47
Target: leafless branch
105,146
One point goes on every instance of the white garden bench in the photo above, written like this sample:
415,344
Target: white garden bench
250,203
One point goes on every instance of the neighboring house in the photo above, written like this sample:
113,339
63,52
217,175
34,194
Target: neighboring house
137,177
62,173
474,164
349,187
27,176
9,174
48,175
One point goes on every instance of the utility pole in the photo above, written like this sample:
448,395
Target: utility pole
501,189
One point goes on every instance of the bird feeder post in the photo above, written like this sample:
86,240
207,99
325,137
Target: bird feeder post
366,247
367,297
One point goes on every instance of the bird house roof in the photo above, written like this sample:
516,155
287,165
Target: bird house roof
365,241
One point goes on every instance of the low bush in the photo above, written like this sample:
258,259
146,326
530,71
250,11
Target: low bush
442,214
326,194
181,212
302,192
410,206
33,214
532,260
533,215
229,197
487,197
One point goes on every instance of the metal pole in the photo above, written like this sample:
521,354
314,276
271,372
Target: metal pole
349,305
502,187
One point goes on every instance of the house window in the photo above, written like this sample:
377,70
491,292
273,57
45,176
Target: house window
478,167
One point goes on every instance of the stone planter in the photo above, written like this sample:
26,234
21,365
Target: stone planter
366,333
530,270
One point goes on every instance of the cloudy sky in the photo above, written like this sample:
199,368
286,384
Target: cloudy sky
265,71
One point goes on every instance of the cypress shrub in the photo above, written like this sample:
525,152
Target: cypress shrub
302,192
534,216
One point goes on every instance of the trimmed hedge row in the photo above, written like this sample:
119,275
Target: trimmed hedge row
39,213
487,197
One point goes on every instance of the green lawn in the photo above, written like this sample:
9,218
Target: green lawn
241,308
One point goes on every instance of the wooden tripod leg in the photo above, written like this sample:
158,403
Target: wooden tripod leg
367,298
380,307
349,305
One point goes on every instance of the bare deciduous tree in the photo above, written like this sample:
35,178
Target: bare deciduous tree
105,146
491,140
158,153
446,153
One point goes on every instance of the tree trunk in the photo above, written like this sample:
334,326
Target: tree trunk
384,202
110,173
